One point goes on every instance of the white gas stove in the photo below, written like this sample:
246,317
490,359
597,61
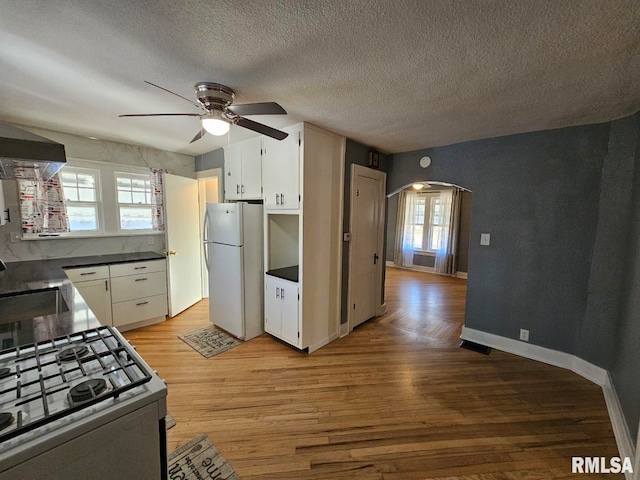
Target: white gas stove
84,406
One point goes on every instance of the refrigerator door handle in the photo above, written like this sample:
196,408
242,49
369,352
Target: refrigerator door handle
205,235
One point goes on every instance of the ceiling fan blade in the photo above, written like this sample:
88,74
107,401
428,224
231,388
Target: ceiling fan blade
161,115
265,108
198,135
173,93
260,128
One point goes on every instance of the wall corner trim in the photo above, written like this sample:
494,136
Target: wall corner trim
591,372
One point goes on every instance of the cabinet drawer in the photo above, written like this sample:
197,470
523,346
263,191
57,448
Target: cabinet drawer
138,286
138,310
99,272
134,268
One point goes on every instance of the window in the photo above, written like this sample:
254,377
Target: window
135,206
82,194
91,199
427,228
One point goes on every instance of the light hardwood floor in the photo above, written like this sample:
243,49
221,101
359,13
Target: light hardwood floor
396,399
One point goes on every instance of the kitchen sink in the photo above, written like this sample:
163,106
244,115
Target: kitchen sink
26,305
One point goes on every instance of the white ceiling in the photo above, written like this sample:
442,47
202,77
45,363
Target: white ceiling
398,75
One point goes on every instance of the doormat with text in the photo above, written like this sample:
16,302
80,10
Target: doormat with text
199,459
209,341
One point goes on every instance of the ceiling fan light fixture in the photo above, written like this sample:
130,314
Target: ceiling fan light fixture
215,123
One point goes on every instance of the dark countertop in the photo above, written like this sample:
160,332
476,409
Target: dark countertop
286,273
38,275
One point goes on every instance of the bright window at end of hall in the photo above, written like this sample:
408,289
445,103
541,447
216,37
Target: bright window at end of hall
81,191
134,201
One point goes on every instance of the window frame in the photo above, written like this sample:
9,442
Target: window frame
427,225
98,204
119,206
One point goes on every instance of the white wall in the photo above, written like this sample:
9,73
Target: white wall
103,151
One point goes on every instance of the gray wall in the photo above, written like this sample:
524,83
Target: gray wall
213,159
626,363
537,194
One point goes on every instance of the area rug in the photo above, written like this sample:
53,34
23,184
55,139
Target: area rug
169,421
199,459
209,341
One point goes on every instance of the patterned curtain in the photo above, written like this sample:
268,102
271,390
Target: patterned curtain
42,202
157,198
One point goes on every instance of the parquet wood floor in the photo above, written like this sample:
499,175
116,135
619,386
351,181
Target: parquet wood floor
396,399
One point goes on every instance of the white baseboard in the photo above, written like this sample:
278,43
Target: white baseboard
421,268
344,329
620,430
591,372
323,342
585,369
390,263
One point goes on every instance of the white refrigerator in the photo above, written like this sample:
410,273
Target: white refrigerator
233,247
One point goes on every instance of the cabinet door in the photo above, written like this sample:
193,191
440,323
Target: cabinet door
272,306
232,172
289,317
251,159
97,296
281,173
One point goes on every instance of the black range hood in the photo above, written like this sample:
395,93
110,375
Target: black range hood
22,149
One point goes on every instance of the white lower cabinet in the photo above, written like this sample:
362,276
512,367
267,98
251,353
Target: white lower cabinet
93,284
124,295
282,309
97,296
138,298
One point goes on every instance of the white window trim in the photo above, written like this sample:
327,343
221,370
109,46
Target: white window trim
425,229
98,204
118,204
110,211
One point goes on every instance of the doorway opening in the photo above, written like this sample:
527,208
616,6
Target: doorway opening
209,191
428,232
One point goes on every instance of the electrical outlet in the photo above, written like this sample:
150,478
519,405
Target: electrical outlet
15,237
524,335
485,238
149,240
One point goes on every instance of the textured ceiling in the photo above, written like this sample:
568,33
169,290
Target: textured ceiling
397,75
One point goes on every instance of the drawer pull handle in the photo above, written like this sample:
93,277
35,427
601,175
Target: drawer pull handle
139,268
141,303
140,279
88,273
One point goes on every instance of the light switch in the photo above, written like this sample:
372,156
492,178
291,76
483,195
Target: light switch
485,238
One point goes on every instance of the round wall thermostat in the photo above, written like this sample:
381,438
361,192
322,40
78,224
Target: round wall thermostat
425,162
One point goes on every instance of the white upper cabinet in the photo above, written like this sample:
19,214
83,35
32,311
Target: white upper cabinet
281,172
243,170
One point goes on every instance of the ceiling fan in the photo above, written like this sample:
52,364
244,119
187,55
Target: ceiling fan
219,112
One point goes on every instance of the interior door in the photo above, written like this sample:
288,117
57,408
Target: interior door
183,242
367,224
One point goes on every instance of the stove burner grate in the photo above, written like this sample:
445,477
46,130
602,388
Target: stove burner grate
71,353
87,390
5,372
6,419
